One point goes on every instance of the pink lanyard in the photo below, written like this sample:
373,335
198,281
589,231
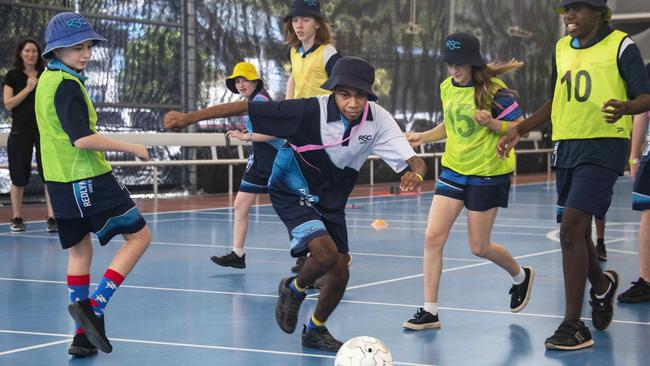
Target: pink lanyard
301,149
507,111
304,148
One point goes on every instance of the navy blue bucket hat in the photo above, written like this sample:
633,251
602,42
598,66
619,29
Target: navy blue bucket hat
304,8
462,49
352,72
66,30
560,8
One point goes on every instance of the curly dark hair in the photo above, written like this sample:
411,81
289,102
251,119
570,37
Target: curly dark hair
18,62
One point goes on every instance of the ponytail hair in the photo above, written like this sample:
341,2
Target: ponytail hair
484,88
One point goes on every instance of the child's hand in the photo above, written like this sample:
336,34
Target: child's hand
414,138
483,117
141,152
239,135
613,110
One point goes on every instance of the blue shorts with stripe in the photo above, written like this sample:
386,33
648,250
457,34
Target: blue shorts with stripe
255,178
122,219
477,193
587,187
641,194
305,223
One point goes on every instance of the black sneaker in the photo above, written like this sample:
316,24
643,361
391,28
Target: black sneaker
300,261
639,292
602,310
320,338
570,336
602,251
520,294
288,306
51,225
83,314
17,224
422,320
81,346
230,260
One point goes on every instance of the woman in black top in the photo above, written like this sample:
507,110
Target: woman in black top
18,96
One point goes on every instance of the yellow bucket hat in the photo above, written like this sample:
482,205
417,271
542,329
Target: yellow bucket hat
248,72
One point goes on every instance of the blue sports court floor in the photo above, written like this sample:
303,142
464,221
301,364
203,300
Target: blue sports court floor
178,308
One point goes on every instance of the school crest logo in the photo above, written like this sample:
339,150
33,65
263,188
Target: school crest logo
76,23
311,2
453,45
364,138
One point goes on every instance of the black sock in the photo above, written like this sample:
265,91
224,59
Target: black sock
600,241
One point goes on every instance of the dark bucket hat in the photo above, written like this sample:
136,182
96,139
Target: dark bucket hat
462,49
304,8
559,8
68,29
353,72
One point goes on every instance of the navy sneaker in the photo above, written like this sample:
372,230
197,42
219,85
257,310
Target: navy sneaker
602,310
320,338
422,320
520,294
570,336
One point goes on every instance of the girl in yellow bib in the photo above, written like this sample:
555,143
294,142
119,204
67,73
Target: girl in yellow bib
312,51
476,106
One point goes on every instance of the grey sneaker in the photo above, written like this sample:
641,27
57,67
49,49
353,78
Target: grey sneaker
17,224
288,306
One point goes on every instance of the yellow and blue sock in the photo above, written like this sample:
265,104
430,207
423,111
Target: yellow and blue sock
314,323
293,285
105,289
78,288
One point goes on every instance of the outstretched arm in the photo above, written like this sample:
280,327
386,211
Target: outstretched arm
178,120
508,142
413,179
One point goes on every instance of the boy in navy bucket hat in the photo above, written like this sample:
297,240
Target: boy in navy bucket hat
329,138
85,195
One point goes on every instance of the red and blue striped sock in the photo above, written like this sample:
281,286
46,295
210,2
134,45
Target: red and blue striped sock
105,289
78,288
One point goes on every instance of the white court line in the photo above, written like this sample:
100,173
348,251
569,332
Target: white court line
33,347
445,270
165,289
554,235
361,254
622,251
201,346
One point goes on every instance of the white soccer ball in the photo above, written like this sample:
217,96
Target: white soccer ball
363,351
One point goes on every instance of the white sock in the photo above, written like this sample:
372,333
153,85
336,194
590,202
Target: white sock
239,251
431,307
520,277
599,297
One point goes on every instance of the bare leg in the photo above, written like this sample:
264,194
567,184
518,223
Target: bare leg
128,255
50,213
80,257
576,261
16,194
479,227
644,245
243,203
442,214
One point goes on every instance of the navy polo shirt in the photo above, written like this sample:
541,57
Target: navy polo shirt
331,173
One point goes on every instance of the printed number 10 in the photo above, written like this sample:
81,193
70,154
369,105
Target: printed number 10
580,76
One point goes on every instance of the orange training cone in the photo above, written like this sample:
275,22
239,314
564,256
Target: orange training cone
379,224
